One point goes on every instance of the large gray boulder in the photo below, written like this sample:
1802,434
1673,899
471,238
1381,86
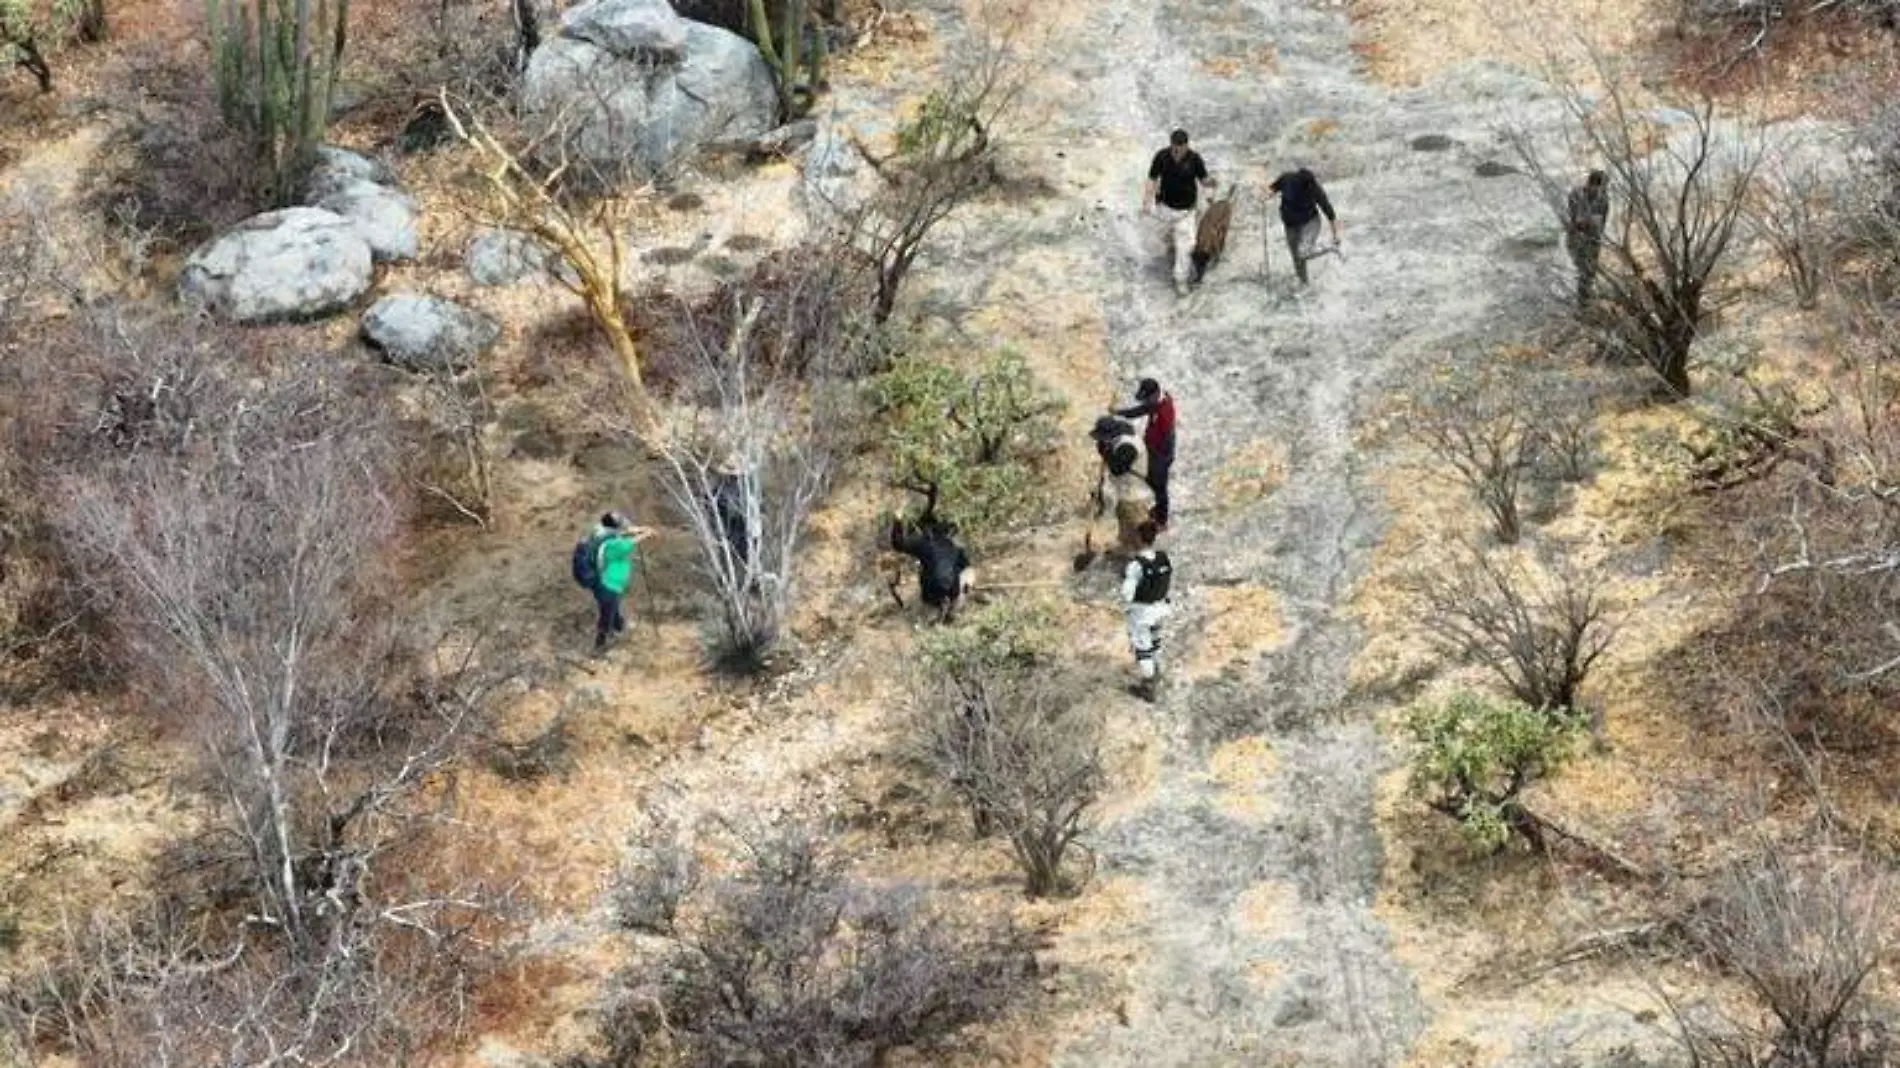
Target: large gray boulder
646,111
423,333
628,27
281,266
386,218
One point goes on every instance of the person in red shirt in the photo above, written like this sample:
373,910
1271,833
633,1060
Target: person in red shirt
1157,437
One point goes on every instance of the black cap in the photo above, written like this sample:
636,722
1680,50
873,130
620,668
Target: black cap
1598,177
1148,388
610,519
1178,137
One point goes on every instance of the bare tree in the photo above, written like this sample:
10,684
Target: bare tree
993,719
538,188
243,573
945,156
1678,198
787,960
1539,637
745,472
1478,423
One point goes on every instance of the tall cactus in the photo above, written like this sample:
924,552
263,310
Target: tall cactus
275,64
796,50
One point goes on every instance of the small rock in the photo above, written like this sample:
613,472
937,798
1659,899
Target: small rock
786,139
282,266
502,257
629,28
386,218
1431,143
1493,169
422,333
336,168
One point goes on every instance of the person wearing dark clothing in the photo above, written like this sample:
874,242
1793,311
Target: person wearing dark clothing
1302,201
1175,178
728,510
1157,437
942,565
1586,215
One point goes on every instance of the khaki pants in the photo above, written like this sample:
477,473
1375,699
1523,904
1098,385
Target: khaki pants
1177,228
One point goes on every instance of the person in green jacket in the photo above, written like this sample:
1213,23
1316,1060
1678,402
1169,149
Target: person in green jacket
616,554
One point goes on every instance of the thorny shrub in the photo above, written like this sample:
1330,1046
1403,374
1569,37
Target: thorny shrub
1476,754
783,959
976,437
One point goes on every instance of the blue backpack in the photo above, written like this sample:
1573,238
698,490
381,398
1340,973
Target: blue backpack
586,563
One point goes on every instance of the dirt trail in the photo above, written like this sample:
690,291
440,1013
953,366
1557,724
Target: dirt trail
1257,943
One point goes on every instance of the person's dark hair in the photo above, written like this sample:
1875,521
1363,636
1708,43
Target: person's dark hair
1178,137
1598,178
1146,533
610,520
1147,388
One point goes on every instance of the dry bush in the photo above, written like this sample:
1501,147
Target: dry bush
811,322
784,960
994,721
1805,937
1829,546
1677,204
1478,423
1540,637
1790,212
242,562
1024,754
1564,407
170,170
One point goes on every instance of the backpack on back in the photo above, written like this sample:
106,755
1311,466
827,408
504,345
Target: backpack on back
1157,574
586,566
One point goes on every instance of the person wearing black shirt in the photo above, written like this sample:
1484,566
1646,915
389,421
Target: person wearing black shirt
1301,202
943,568
1175,179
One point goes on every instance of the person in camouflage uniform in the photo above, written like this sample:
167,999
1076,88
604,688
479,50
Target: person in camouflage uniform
1587,215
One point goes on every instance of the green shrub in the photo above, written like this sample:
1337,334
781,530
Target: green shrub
977,438
1002,636
1475,756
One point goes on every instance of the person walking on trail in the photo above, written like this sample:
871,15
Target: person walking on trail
1586,215
1175,179
943,568
1145,586
728,513
604,563
1302,201
1157,437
